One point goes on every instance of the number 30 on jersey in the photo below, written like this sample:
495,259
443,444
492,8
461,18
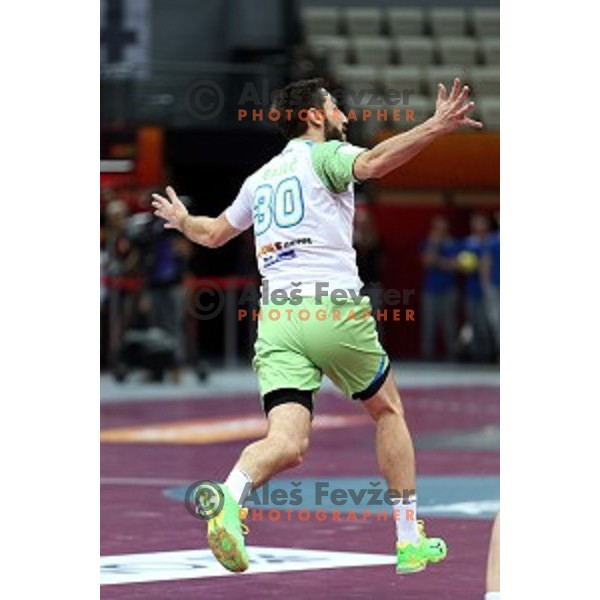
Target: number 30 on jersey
282,205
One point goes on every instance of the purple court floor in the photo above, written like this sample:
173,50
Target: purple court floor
150,448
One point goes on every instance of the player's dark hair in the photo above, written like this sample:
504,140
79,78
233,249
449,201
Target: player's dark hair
294,98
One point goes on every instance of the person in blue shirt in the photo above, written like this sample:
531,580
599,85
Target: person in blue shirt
439,293
490,280
475,245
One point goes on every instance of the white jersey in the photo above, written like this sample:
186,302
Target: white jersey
301,204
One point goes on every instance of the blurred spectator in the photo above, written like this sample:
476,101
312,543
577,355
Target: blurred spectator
490,280
104,330
103,261
123,258
119,259
369,254
469,260
439,296
165,288
164,264
137,248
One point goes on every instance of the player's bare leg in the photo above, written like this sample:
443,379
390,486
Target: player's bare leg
492,583
396,458
395,452
282,448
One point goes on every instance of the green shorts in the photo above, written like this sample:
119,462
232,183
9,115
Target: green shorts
296,345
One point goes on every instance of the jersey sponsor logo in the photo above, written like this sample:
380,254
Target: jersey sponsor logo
277,246
280,256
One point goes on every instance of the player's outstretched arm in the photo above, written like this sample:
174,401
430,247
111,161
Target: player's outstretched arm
450,113
205,231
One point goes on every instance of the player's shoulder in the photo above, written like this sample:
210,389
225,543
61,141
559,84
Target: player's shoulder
328,147
336,148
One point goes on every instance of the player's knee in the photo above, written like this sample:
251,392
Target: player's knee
385,407
302,449
292,451
298,451
304,443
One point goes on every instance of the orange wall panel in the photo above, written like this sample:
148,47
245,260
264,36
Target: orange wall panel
149,159
460,160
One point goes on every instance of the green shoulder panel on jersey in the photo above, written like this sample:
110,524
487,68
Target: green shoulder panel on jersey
333,162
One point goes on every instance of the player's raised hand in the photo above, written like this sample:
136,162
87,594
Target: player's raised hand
172,210
451,111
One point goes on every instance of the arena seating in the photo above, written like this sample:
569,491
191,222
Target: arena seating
410,48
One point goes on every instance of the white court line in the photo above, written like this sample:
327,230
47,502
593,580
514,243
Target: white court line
196,564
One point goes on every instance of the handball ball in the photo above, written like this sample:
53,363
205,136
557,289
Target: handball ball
467,261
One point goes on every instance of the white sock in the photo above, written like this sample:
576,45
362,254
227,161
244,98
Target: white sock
405,515
239,484
492,596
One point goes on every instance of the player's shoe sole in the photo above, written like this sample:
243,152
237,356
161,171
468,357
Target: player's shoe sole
413,558
225,534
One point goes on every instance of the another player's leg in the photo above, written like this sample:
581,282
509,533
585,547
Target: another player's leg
492,579
289,415
395,454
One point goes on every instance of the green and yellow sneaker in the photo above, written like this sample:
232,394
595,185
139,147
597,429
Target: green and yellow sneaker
412,558
226,529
